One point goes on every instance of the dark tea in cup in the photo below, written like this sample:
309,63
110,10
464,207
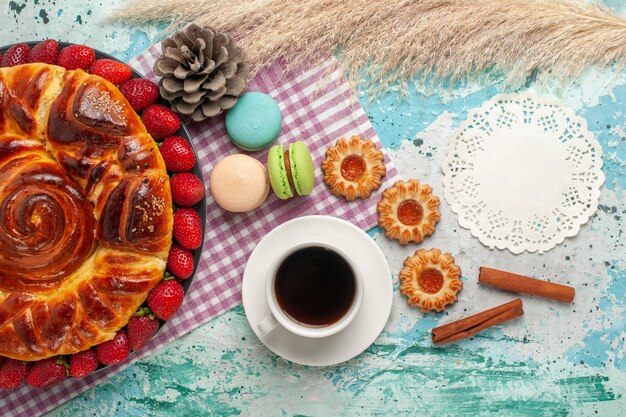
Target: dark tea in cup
315,286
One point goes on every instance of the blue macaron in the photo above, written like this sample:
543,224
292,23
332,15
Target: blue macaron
254,122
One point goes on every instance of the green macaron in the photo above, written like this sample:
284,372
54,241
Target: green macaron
291,170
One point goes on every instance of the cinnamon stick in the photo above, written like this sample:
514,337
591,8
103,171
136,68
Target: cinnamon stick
471,325
519,283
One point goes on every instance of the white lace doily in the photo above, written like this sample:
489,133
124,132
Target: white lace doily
523,173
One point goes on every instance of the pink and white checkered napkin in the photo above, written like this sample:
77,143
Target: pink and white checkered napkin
314,113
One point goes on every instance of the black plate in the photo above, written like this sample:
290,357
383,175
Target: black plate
201,206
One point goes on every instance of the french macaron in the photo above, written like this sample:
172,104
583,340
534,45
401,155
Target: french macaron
290,170
254,122
239,183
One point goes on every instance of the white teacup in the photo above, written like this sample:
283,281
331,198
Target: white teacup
278,316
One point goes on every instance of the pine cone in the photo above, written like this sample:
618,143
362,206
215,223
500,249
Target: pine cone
203,72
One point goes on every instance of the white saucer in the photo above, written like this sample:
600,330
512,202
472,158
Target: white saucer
377,297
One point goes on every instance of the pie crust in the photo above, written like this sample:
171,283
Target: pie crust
353,168
85,211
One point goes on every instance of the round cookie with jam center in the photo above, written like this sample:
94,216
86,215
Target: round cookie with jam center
408,211
353,168
430,280
254,122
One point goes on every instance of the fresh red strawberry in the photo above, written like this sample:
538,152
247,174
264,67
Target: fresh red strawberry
47,372
166,298
76,56
160,121
0,60
141,327
187,189
12,373
113,71
83,363
140,93
46,52
178,154
180,262
188,228
15,55
115,350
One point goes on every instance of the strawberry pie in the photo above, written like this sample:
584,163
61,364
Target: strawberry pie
85,212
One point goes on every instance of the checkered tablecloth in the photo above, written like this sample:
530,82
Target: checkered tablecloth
318,108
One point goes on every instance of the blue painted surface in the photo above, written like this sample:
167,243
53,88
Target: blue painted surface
557,361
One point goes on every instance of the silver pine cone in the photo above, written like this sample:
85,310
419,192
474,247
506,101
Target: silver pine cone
203,72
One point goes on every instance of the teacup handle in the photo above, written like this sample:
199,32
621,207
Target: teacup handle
268,324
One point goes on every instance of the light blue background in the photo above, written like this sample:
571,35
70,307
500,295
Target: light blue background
222,369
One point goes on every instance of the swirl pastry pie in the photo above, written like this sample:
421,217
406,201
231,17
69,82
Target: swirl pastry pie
408,211
430,279
85,211
353,168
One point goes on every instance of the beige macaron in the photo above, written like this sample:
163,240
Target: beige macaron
239,183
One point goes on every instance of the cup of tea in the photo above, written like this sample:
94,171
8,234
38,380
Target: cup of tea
314,289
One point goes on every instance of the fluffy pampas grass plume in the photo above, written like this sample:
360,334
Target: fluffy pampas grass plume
386,42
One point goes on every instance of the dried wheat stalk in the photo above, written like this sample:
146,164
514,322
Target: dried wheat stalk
395,41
